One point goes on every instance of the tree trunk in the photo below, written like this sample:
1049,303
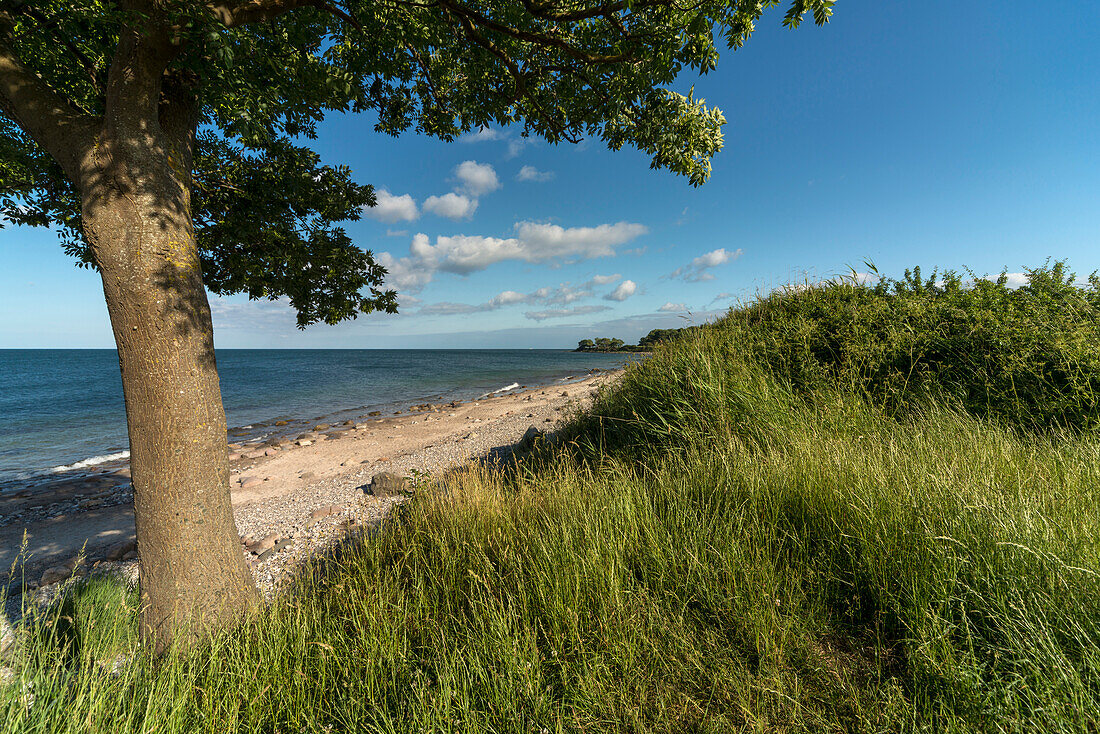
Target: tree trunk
194,577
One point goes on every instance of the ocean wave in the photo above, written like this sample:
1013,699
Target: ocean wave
91,462
509,388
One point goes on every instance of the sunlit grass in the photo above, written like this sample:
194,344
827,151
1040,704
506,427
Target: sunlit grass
710,551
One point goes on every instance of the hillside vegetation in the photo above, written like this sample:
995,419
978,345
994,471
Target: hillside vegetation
840,508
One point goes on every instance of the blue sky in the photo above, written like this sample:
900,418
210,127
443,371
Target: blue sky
934,133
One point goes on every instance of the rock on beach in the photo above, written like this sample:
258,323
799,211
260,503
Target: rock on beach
388,484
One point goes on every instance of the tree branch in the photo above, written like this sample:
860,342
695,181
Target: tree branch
541,39
49,119
243,12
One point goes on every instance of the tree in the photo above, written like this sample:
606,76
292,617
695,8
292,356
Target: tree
658,336
585,345
163,138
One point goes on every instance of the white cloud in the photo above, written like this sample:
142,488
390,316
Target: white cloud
397,233
671,307
603,279
484,135
530,173
391,209
563,295
561,313
534,243
516,146
452,206
1015,280
624,291
446,308
696,270
476,178
507,298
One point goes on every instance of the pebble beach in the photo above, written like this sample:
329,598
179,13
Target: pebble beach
295,493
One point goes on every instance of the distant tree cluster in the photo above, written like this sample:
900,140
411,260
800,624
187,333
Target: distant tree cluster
645,344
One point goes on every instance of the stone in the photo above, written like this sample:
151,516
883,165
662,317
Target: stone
247,482
280,423
7,638
307,475
265,543
304,442
374,413
320,437
387,484
349,423
131,556
271,452
235,447
123,472
325,511
118,550
471,435
282,544
254,455
362,426
53,574
322,427
532,438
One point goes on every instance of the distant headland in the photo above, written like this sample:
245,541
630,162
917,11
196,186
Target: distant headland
645,344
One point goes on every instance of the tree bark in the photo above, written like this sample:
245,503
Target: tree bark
193,574
135,185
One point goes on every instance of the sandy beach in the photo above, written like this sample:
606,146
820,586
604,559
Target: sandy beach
292,494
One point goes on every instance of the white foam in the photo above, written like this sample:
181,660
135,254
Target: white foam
91,462
513,386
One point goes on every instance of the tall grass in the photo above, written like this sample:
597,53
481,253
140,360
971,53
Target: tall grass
714,550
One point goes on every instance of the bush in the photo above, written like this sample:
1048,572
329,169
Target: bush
1028,356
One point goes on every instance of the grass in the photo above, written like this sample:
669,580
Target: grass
717,548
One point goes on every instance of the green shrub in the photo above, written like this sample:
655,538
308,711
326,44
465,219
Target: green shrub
1028,356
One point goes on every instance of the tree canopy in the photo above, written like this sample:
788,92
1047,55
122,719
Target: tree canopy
255,77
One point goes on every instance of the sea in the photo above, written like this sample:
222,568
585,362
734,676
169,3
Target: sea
62,412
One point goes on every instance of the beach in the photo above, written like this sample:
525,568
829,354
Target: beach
293,493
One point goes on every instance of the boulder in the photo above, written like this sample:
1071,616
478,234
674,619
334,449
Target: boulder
532,438
271,452
387,484
120,549
53,574
7,638
266,543
304,442
322,427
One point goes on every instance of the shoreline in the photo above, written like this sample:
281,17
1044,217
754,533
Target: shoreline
114,462
294,493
